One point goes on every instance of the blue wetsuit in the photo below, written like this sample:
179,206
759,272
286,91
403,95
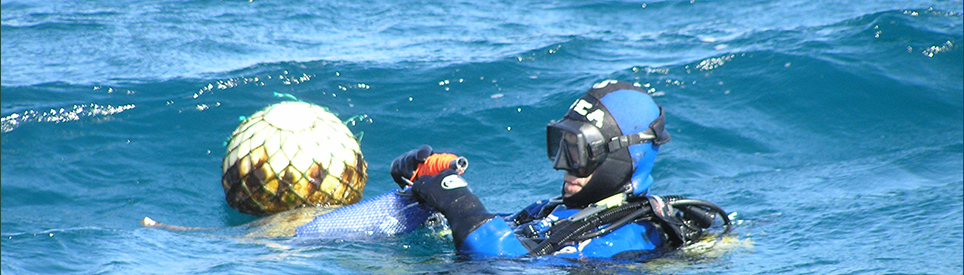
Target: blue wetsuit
476,231
504,236
534,231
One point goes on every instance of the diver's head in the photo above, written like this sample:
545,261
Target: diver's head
607,142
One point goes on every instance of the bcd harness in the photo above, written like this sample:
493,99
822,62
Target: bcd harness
682,221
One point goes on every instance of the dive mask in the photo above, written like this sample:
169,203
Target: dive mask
579,147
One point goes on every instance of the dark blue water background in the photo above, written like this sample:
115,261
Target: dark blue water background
832,129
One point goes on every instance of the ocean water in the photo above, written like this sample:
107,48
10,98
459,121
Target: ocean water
832,130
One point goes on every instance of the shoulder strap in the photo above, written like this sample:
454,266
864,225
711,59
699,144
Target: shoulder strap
677,226
567,230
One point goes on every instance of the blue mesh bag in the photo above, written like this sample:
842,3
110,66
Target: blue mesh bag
389,214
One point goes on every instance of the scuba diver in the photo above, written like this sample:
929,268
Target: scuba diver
606,143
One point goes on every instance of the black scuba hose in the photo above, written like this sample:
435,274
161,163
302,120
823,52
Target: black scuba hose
710,205
607,218
615,225
674,201
616,218
570,230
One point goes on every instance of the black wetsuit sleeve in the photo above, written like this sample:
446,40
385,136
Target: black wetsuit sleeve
449,194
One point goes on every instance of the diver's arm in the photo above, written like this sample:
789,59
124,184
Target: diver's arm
494,238
475,230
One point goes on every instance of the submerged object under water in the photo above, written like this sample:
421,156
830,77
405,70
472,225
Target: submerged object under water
289,155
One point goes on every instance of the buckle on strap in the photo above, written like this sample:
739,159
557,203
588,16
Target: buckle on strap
631,139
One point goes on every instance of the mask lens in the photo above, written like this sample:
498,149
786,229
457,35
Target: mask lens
553,139
577,155
574,152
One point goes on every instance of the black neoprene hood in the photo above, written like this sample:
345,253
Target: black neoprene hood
613,174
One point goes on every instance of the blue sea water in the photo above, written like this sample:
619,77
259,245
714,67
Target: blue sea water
833,130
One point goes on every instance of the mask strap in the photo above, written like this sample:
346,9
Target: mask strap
631,139
658,128
656,133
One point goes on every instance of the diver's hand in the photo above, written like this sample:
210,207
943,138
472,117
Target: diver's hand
448,193
404,166
441,191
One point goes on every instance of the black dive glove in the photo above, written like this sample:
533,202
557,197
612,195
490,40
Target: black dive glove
448,193
403,167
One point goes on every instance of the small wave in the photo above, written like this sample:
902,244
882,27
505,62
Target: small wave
74,113
53,231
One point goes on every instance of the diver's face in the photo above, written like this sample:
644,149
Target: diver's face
572,184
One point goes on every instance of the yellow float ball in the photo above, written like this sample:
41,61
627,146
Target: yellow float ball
290,155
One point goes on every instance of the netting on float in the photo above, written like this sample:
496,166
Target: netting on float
289,155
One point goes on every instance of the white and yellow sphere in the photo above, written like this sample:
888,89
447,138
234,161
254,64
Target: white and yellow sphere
290,155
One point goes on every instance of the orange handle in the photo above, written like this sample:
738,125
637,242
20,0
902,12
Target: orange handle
436,163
